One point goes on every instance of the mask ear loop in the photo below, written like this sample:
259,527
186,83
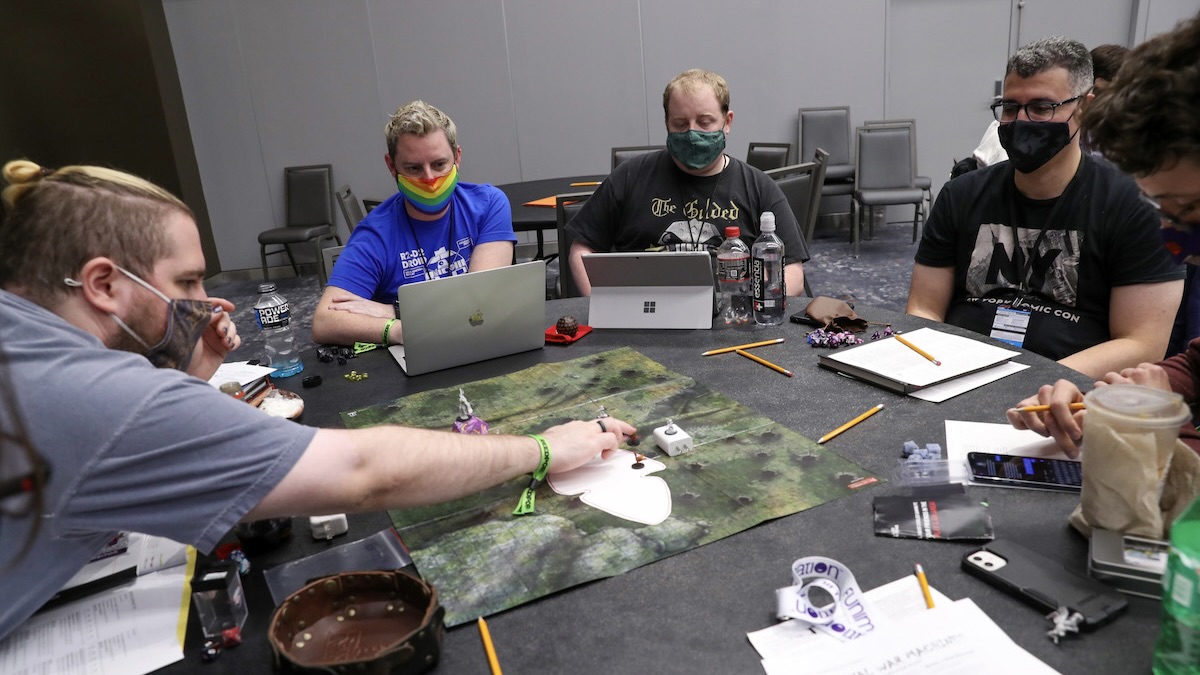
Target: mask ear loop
72,283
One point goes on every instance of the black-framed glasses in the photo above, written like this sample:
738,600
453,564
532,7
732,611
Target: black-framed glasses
1177,218
1037,111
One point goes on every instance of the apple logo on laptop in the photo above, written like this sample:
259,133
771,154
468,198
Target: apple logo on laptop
476,319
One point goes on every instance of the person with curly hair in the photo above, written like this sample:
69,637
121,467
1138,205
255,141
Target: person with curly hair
1146,121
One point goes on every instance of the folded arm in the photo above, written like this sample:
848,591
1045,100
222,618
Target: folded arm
490,255
343,318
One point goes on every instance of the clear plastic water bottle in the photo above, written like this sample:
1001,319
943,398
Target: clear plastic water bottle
733,278
1177,651
274,317
766,273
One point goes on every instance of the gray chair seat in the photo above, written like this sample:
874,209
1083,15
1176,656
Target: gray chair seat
834,189
839,172
923,182
889,196
294,235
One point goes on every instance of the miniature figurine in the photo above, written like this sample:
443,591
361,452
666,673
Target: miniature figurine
467,422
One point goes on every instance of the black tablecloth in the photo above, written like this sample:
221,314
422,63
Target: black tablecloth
690,613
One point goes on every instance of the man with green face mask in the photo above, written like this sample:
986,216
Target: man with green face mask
681,199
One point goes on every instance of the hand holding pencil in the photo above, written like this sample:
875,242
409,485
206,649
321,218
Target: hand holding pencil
1056,411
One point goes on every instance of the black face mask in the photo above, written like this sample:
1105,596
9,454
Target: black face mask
1031,144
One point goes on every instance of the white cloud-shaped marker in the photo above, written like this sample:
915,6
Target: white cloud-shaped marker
614,486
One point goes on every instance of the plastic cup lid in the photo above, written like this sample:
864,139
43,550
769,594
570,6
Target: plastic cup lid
1145,404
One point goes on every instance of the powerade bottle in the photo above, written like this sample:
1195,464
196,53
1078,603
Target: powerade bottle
766,273
1177,651
274,317
733,278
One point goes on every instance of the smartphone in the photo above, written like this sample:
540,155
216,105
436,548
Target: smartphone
1042,582
1027,472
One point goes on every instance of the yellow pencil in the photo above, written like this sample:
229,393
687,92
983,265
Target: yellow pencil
765,362
924,585
1043,408
486,636
918,350
726,350
586,183
851,423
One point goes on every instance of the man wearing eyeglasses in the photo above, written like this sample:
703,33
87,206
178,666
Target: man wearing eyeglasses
1147,121
1051,251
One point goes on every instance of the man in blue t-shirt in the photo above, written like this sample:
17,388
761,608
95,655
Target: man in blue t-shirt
433,227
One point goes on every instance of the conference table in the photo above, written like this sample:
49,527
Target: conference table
690,612
538,219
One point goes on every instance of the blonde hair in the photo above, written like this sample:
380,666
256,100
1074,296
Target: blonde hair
421,119
59,219
694,79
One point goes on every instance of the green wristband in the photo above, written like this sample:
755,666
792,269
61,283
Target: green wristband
387,329
525,506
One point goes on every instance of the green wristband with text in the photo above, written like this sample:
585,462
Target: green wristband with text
387,329
525,506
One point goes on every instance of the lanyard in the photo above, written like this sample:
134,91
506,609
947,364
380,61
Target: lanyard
1024,262
421,248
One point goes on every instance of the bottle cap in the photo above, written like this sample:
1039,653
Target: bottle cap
732,231
268,287
766,223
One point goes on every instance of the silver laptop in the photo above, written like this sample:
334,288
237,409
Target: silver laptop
671,289
472,317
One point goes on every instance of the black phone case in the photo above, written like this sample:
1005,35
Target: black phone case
1046,584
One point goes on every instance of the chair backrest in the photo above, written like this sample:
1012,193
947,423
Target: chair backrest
329,256
796,182
767,156
827,128
565,207
884,158
352,209
630,151
309,195
821,159
912,127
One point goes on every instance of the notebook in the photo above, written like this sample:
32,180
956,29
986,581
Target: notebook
473,317
670,289
893,365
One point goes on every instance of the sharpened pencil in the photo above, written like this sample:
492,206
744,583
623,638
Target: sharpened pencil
726,350
586,183
764,362
920,571
850,424
918,350
486,636
1043,408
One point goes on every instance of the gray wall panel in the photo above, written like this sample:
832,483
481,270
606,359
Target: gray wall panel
577,84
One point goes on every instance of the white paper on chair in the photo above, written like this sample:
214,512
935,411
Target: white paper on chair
614,486
1001,439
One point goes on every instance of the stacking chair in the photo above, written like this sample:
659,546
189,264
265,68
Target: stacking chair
309,214
352,209
883,176
767,156
630,151
329,256
923,182
828,128
565,207
801,184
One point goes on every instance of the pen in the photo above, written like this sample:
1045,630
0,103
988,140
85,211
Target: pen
1043,408
765,362
918,350
726,350
586,183
486,636
851,423
924,585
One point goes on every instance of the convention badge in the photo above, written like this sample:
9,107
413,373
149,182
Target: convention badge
1010,325
845,613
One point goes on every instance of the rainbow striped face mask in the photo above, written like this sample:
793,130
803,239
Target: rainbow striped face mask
429,196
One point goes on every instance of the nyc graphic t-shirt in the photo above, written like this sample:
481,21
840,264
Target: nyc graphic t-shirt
1040,273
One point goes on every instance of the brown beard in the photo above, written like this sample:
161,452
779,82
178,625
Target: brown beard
141,320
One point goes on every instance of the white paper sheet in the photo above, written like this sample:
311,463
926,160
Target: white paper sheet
241,371
961,385
964,437
951,639
894,360
131,630
614,486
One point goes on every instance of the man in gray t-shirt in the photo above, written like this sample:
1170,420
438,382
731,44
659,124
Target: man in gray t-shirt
108,339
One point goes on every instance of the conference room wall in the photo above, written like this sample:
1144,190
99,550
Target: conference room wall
541,88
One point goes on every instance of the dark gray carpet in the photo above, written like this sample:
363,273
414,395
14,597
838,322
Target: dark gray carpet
878,277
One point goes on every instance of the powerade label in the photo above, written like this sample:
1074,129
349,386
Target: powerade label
273,317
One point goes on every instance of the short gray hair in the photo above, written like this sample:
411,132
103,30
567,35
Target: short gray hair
1054,52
